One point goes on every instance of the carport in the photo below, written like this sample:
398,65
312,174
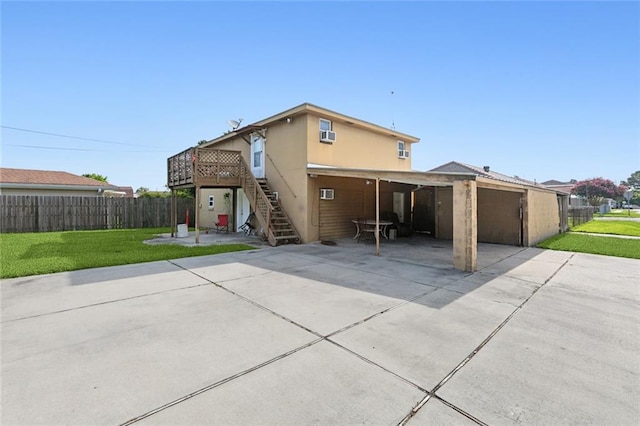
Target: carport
462,207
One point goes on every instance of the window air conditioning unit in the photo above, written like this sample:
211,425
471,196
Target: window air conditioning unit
327,136
403,154
326,194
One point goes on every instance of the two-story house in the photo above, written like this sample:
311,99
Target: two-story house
307,173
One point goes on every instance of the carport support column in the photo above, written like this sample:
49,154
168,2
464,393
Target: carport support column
465,225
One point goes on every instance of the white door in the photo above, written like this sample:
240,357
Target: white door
243,209
398,205
257,156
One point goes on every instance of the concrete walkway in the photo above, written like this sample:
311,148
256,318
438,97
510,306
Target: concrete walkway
317,334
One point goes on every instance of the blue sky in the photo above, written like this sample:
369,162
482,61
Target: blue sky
542,90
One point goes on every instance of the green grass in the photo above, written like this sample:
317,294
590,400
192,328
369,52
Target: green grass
609,246
48,252
622,213
615,227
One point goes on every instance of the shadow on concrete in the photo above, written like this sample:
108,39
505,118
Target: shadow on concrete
416,268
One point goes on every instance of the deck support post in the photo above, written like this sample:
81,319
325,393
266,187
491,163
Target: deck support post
197,214
174,213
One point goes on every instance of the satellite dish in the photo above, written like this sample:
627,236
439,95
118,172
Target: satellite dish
234,124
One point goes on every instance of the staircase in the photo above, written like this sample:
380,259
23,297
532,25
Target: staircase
280,225
276,225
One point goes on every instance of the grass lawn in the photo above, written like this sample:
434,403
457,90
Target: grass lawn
610,246
616,227
620,213
48,252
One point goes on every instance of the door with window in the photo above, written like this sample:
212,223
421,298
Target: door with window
257,156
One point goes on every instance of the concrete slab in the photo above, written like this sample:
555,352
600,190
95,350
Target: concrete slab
436,413
111,362
497,288
570,356
424,340
321,384
109,345
604,275
43,294
531,265
326,306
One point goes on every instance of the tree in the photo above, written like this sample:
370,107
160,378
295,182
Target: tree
597,189
96,177
633,181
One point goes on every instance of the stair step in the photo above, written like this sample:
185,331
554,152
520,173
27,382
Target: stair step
285,237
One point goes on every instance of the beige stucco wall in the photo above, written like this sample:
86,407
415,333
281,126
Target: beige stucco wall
286,169
543,218
355,148
206,217
465,229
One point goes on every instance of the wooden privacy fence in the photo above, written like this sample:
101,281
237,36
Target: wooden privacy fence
20,213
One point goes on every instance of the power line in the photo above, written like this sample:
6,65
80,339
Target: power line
74,137
59,148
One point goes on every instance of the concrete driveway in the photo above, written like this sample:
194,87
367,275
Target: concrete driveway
317,334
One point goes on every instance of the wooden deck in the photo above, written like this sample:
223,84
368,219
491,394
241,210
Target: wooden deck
205,168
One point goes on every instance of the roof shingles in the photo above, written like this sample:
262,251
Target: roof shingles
46,177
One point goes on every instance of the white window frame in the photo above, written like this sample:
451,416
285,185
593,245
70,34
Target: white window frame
330,135
402,151
211,202
327,194
323,120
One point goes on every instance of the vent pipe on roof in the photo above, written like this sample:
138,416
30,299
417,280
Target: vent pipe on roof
487,168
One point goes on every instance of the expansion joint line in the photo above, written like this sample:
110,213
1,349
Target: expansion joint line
465,361
246,299
106,302
216,384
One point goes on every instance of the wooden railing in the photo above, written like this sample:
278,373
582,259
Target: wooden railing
261,205
180,169
210,167
204,167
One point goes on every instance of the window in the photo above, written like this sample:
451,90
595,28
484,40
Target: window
325,124
326,134
327,194
402,152
257,159
211,202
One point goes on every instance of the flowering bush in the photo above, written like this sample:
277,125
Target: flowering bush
597,189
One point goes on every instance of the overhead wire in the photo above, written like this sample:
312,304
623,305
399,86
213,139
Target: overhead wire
75,137
60,148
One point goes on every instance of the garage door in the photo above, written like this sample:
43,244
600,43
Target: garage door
499,219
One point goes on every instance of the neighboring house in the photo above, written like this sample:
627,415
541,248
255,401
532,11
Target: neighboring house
46,182
566,187
329,169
